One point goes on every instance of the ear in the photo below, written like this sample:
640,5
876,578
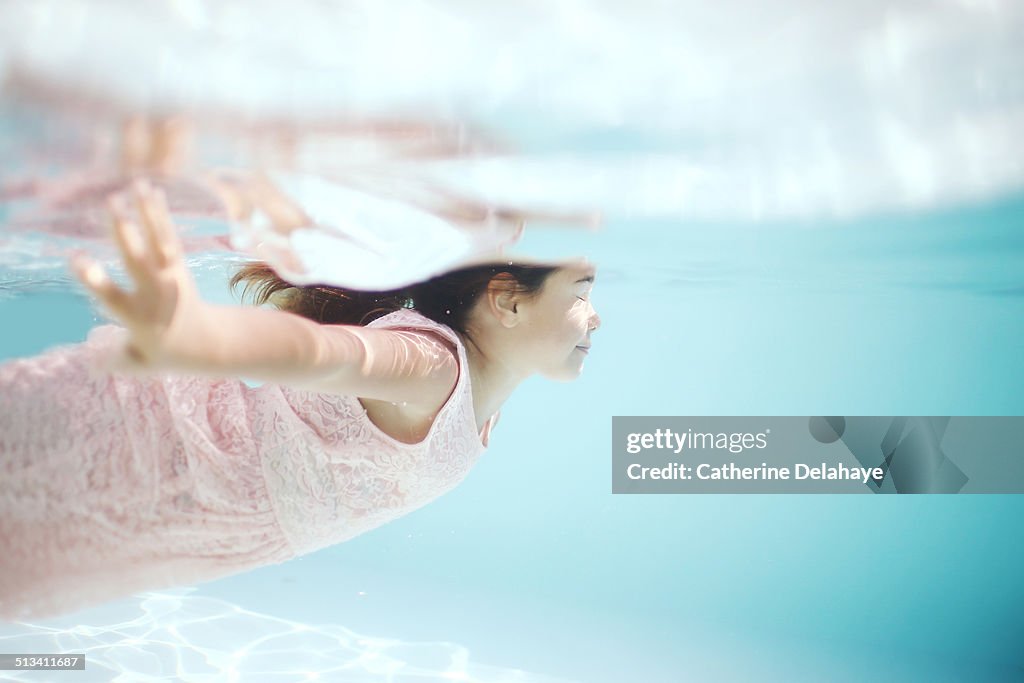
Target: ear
503,299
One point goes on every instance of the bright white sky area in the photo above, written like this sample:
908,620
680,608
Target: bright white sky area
681,109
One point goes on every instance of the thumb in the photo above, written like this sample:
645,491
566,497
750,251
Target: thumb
129,361
122,358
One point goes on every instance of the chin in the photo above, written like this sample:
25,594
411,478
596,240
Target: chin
565,374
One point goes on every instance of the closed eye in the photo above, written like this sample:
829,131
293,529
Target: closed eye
585,285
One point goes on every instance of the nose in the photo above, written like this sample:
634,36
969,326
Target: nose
595,319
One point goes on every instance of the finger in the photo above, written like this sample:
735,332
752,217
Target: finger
96,280
171,247
161,238
284,215
235,203
127,237
146,211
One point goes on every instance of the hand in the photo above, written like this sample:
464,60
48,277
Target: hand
244,195
165,311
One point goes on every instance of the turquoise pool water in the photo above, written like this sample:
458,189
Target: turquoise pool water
531,564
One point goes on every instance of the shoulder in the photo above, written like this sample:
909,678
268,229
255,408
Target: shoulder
410,360
411,319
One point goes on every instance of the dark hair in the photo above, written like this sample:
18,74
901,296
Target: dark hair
446,298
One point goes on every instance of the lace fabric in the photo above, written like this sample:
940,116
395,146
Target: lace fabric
110,485
333,474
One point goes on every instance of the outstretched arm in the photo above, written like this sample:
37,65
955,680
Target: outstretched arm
171,329
402,366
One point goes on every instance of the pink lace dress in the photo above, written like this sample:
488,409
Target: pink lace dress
111,485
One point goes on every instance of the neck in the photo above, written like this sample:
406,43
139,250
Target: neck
492,383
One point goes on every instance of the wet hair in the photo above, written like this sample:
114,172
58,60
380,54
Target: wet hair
446,298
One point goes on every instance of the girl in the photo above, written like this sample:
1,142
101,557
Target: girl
139,459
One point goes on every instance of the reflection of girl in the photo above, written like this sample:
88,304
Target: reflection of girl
139,459
339,201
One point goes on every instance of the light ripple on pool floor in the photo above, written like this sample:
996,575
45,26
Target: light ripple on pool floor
172,635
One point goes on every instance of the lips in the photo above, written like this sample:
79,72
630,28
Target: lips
584,349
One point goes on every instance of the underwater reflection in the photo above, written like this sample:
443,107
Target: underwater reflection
173,634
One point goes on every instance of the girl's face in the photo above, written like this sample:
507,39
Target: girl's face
559,320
